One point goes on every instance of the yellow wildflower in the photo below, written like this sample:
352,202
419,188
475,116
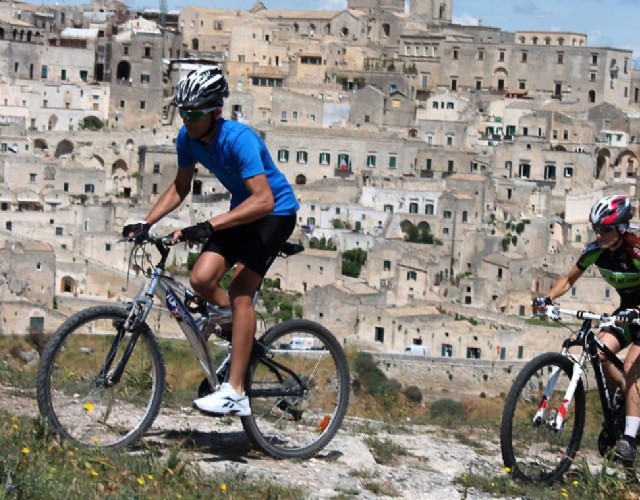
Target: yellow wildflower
150,476
26,450
140,481
88,407
575,482
564,493
507,470
94,473
223,487
96,440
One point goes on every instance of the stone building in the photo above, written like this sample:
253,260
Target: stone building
386,122
339,306
27,272
302,272
138,97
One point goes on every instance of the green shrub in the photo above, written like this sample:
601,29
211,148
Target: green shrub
505,243
91,123
352,262
191,260
447,411
413,394
372,379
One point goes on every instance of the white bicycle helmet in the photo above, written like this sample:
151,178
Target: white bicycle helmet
612,211
205,86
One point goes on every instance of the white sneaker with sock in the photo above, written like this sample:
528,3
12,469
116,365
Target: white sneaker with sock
225,401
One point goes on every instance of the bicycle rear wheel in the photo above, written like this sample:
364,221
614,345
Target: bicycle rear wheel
79,397
531,448
298,390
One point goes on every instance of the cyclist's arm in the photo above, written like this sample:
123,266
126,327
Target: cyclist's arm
259,204
173,196
564,284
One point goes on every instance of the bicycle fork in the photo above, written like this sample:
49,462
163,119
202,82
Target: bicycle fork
555,420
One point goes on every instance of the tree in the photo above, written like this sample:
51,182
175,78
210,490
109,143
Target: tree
421,235
91,123
325,244
352,262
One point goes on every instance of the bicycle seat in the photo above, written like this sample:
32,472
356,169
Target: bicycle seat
290,248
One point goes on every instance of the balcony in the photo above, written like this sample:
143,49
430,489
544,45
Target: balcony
342,174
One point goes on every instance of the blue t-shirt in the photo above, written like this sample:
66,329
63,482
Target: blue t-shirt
237,153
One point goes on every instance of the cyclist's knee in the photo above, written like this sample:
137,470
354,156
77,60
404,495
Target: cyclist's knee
202,285
240,299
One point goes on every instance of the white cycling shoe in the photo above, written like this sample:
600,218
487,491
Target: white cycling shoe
225,401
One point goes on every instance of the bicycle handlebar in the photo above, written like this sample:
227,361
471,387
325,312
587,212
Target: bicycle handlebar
163,240
553,312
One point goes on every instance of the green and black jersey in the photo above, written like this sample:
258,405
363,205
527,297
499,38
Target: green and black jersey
618,269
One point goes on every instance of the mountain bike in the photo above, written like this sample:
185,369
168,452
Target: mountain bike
101,377
544,415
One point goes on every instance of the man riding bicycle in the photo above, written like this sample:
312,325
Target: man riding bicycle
616,254
261,218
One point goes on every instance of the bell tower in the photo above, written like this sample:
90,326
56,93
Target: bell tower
435,11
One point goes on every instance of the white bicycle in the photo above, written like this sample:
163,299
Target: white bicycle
544,414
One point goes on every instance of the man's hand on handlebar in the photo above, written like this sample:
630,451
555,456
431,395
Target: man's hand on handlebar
137,231
540,303
197,233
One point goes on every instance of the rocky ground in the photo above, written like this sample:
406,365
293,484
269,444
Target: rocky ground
347,465
428,467
428,470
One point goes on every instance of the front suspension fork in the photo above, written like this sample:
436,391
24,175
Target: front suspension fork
555,420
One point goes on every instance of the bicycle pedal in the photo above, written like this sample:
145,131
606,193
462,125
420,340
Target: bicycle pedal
204,389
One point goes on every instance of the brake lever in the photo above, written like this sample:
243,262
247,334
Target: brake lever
552,312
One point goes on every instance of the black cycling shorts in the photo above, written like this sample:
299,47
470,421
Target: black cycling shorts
630,334
255,244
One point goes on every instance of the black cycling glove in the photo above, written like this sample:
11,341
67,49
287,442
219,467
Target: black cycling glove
541,302
627,315
202,231
138,231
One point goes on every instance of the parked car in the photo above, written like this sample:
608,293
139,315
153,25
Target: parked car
417,350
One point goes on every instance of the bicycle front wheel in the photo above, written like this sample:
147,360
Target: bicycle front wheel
532,447
298,389
78,387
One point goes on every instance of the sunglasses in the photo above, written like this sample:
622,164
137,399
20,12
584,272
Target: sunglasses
194,115
602,229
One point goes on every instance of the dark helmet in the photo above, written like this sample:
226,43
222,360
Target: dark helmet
611,211
205,86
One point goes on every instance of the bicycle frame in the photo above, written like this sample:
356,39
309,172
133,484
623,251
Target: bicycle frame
169,292
592,346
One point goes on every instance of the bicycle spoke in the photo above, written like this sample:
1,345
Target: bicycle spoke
72,386
297,416
532,444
